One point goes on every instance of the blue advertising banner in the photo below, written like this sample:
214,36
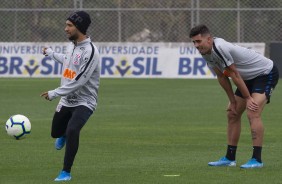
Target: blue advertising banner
118,60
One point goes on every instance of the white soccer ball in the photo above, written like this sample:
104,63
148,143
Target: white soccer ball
18,126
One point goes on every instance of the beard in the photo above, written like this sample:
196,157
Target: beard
73,37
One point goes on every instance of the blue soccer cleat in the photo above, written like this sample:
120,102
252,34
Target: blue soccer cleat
60,142
63,176
253,163
223,162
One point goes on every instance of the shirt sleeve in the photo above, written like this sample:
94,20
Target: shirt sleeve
223,50
55,56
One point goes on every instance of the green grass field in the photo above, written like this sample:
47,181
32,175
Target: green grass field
145,131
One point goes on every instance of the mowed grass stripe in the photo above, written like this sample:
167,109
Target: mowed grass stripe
142,130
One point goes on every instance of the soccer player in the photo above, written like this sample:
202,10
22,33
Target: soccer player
255,77
78,89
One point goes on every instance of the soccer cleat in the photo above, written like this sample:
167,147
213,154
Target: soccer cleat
253,163
63,176
60,142
223,162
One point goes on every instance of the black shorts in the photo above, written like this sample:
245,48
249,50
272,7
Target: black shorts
69,118
262,84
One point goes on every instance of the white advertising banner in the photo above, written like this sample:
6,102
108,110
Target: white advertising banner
118,60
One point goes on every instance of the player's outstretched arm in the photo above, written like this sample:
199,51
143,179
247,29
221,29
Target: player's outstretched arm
238,81
55,56
45,95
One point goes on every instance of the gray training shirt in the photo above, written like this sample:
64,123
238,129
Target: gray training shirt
249,63
81,75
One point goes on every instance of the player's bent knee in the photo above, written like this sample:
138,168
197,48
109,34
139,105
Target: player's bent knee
252,116
232,116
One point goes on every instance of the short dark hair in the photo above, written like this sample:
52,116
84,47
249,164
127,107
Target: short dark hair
199,29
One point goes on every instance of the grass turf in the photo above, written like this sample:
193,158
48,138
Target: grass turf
145,131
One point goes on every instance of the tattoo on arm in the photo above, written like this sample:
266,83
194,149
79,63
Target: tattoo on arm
254,134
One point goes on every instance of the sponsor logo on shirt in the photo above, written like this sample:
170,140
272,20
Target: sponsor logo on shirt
72,99
76,59
69,74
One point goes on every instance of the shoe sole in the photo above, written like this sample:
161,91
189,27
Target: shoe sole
63,180
68,179
223,165
252,167
57,148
